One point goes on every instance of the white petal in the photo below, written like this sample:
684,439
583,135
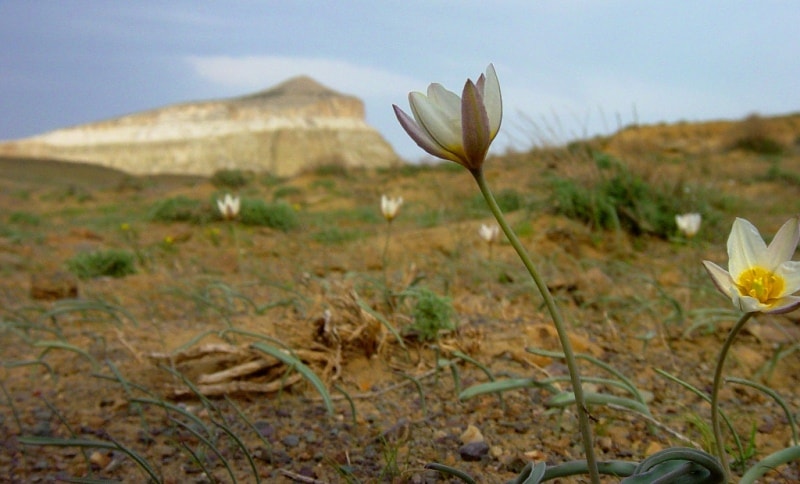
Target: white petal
784,244
746,303
448,101
436,122
493,101
790,272
746,248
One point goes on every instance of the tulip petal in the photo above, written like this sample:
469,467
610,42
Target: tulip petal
474,125
790,272
746,248
493,101
721,278
447,100
421,137
785,305
784,244
440,125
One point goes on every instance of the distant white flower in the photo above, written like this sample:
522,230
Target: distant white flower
390,206
228,206
760,278
688,223
489,233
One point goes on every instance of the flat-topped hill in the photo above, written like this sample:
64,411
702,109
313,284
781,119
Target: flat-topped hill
291,127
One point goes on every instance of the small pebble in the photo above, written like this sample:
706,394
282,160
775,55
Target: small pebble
474,451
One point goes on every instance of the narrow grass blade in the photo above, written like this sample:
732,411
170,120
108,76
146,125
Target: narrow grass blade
174,408
451,471
93,444
49,345
385,322
772,393
350,401
241,445
705,397
304,370
421,392
769,463
566,399
500,386
208,444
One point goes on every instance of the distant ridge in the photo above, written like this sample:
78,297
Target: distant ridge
284,130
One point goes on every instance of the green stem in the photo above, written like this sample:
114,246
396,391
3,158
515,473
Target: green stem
563,336
715,413
387,293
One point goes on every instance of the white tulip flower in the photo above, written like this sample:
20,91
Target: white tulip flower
760,277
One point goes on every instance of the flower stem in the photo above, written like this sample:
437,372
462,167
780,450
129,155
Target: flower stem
563,336
715,414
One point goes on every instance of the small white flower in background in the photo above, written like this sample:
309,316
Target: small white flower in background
228,206
390,206
688,223
489,233
760,277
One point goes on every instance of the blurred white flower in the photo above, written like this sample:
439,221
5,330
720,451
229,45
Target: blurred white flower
489,233
760,278
390,206
688,223
229,206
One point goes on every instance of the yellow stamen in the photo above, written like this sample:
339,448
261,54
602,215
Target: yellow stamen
761,284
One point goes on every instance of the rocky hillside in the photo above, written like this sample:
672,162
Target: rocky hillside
283,130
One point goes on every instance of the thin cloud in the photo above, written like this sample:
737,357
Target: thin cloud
260,72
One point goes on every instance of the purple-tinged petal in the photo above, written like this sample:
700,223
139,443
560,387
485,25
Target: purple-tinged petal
784,305
474,125
421,137
720,277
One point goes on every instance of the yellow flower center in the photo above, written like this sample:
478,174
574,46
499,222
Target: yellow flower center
761,284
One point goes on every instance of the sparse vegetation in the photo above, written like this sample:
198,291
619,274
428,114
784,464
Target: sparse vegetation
181,209
231,179
109,262
279,216
369,366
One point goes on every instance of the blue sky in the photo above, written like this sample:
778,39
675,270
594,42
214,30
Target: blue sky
567,68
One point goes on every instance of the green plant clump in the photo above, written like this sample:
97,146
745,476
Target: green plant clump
181,209
279,216
432,315
621,201
230,179
112,262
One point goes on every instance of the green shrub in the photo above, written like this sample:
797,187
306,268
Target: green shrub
112,262
432,314
24,218
335,235
286,192
278,216
230,178
753,135
623,200
181,209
